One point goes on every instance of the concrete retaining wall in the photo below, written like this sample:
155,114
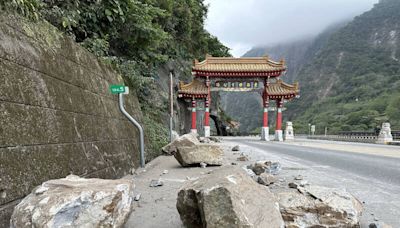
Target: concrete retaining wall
56,113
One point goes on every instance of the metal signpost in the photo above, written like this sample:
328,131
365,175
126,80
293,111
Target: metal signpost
121,90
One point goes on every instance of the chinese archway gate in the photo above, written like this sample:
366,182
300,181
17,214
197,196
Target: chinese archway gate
239,74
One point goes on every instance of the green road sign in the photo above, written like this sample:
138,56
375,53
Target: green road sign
116,89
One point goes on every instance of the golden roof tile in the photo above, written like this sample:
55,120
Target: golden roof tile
196,87
248,64
283,89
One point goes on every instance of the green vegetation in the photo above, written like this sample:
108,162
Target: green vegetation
136,36
353,82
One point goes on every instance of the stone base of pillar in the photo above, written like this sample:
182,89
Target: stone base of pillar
265,133
279,135
194,131
289,135
385,136
207,131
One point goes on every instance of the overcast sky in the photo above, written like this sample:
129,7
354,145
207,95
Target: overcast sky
243,24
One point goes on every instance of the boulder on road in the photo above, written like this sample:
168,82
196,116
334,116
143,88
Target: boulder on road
75,202
236,148
201,153
315,206
185,140
266,179
227,198
265,167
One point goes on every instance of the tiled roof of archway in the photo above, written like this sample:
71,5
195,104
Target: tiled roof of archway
282,89
196,87
248,64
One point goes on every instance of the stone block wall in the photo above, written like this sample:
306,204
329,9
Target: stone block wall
57,115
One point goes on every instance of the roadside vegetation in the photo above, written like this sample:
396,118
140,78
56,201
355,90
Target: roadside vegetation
135,36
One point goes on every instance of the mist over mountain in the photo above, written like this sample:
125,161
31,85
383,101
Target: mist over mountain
349,75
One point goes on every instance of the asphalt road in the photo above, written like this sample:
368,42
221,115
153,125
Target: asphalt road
370,172
382,168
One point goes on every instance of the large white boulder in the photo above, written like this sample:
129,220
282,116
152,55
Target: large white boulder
75,202
227,198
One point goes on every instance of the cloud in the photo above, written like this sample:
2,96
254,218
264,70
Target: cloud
243,24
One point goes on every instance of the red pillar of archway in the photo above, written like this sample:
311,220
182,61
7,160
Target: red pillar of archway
194,127
278,129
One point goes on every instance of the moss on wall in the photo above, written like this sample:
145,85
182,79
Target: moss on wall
56,113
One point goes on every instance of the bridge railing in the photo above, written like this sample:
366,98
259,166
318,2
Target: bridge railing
366,137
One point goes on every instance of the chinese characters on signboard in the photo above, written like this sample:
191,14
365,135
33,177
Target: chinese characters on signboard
237,85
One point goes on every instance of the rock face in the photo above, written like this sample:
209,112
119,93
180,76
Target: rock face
75,202
183,141
227,198
202,153
315,206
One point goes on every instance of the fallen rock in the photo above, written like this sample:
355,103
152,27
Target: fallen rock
202,153
183,141
75,202
203,165
293,185
266,179
137,197
242,158
227,198
265,167
156,183
379,225
204,140
320,206
215,139
236,148
299,177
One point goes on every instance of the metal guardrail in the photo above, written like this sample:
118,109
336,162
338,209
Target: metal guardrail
364,137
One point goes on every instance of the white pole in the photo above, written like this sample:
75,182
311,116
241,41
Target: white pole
141,132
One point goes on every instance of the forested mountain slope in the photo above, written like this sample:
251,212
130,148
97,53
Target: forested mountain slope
353,83
349,75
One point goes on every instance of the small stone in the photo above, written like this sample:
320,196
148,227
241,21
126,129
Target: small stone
165,172
303,183
137,197
156,183
299,177
234,163
293,185
376,219
243,158
236,148
203,165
